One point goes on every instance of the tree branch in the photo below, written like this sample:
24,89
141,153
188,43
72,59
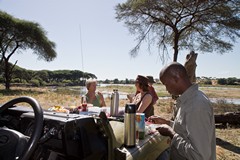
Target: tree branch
134,50
13,51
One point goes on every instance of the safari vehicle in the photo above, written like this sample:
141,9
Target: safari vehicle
33,134
29,133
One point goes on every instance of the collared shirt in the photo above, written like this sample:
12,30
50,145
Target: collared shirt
194,126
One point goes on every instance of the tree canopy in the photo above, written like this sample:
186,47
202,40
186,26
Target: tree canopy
199,25
47,77
17,35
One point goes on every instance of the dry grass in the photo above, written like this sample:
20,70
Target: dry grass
228,140
228,144
222,92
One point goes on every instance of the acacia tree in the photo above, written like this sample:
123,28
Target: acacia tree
17,35
200,25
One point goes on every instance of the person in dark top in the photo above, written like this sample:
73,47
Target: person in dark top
143,98
152,90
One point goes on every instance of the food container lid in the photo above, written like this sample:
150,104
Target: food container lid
130,108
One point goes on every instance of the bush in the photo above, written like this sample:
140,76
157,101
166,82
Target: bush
16,80
222,106
208,82
222,81
35,82
1,79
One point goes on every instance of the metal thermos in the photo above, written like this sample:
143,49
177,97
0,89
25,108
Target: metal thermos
83,99
114,103
130,125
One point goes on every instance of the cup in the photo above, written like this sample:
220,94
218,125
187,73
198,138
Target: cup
84,107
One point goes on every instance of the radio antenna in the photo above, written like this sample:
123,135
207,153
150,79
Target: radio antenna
81,48
82,90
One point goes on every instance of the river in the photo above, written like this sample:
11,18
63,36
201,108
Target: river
214,100
123,95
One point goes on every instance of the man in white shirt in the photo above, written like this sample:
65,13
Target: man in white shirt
193,129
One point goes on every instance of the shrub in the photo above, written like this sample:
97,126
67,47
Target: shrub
35,82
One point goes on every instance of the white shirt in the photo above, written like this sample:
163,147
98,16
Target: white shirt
194,126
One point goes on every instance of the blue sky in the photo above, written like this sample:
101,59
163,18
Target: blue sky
105,42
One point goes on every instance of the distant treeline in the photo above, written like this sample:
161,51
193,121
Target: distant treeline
46,77
23,76
201,80
117,81
221,81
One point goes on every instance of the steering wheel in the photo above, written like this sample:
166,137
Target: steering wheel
16,141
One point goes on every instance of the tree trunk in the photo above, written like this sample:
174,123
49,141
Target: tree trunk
175,46
7,75
190,65
175,55
228,118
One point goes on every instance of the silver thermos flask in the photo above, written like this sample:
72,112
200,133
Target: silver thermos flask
130,125
114,103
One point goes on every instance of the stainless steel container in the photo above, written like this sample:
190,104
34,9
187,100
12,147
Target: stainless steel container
130,125
83,99
114,103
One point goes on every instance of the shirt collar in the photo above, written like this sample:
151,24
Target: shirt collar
188,93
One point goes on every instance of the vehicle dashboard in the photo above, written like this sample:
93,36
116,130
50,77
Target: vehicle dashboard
64,136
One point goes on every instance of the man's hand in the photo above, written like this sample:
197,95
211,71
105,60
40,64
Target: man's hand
158,120
166,130
130,97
